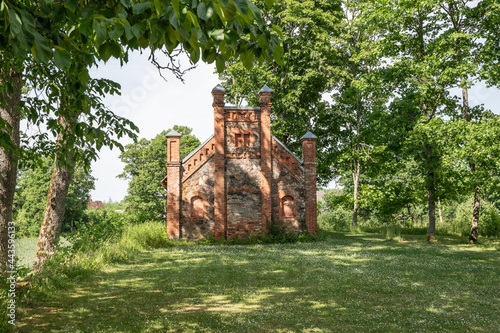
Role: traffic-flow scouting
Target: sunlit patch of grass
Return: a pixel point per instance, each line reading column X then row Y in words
column 350, row 282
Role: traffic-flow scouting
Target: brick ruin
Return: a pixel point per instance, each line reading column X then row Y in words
column 241, row 178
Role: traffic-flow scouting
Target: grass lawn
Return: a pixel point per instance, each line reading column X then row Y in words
column 349, row 283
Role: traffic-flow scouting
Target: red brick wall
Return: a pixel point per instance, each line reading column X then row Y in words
column 309, row 157
column 173, row 186
column 219, row 165
column 265, row 162
column 199, row 184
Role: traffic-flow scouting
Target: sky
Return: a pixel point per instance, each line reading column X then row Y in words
column 154, row 105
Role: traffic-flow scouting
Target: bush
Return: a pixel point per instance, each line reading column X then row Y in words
column 489, row 220
column 338, row 219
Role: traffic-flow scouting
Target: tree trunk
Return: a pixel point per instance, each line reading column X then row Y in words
column 440, row 212
column 474, row 230
column 9, row 112
column 56, row 200
column 432, row 211
column 355, row 177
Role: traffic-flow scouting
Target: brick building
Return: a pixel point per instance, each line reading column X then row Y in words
column 239, row 179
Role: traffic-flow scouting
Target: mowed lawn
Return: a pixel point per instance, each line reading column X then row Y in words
column 349, row 283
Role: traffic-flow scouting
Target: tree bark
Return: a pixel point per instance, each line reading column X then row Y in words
column 440, row 212
column 474, row 230
column 431, row 191
column 355, row 177
column 56, row 200
column 9, row 112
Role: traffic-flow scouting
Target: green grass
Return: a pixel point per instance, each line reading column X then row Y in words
column 348, row 283
column 25, row 251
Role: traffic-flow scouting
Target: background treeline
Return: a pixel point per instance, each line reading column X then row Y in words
column 385, row 86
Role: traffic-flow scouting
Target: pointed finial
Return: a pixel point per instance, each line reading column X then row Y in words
column 173, row 133
column 219, row 88
column 309, row 135
column 266, row 89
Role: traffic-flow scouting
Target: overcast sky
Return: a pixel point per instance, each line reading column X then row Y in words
column 155, row 105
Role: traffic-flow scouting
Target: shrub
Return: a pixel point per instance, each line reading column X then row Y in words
column 338, row 219
column 489, row 220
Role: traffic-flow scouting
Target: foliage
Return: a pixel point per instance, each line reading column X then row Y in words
column 489, row 217
column 145, row 168
column 337, row 219
column 307, row 73
column 31, row 197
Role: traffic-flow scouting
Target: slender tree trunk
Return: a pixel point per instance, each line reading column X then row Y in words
column 56, row 200
column 9, row 112
column 474, row 230
column 440, row 212
column 432, row 211
column 355, row 177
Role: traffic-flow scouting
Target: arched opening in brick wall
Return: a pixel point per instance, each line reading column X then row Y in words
column 287, row 210
column 197, row 208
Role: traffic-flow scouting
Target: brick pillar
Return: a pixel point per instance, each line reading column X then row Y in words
column 309, row 161
column 220, row 225
column 265, row 154
column 173, row 184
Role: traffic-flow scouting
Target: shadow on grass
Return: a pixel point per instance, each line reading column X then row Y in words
column 347, row 283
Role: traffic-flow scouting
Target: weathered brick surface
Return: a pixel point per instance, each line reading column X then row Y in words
column 198, row 159
column 219, row 166
column 173, row 186
column 241, row 179
column 265, row 161
column 199, row 185
column 309, row 157
column 284, row 183
column 243, row 197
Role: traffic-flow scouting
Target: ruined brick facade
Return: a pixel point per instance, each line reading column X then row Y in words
column 241, row 178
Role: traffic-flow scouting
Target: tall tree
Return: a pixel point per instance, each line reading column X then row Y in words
column 80, row 32
column 31, row 197
column 145, row 168
column 308, row 72
column 358, row 91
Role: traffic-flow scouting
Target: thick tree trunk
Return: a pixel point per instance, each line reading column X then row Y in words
column 474, row 230
column 9, row 112
column 355, row 177
column 56, row 201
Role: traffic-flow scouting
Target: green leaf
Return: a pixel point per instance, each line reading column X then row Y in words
column 15, row 22
column 242, row 6
column 28, row 21
column 269, row 3
column 126, row 3
column 99, row 31
column 217, row 35
column 71, row 5
column 141, row 7
column 278, row 54
column 201, row 11
column 62, row 59
column 193, row 19
column 139, row 29
column 220, row 64
column 43, row 50
column 128, row 31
